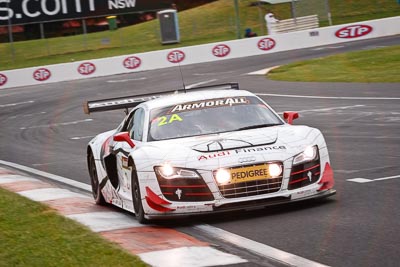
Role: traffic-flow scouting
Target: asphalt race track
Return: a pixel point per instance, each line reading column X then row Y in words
column 44, row 127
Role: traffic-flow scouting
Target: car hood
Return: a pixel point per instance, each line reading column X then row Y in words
column 234, row 140
column 276, row 143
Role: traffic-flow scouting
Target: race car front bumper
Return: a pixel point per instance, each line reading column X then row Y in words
column 245, row 205
column 255, row 204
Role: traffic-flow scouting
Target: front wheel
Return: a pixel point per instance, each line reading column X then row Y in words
column 94, row 180
column 137, row 198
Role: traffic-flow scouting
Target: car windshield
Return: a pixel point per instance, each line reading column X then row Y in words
column 210, row 117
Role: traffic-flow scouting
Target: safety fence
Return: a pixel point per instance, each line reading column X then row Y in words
column 203, row 53
column 219, row 22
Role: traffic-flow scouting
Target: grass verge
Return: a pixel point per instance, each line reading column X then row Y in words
column 32, row 234
column 370, row 66
column 213, row 22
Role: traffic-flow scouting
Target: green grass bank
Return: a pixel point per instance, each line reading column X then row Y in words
column 369, row 66
column 32, row 234
column 213, row 22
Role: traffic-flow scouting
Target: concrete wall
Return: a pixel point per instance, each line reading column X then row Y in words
column 201, row 53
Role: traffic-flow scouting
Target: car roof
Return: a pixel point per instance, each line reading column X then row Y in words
column 191, row 96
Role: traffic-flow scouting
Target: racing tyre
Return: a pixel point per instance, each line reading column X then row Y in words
column 97, row 195
column 137, row 198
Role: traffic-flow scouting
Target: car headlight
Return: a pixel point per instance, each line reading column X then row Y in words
column 309, row 154
column 222, row 176
column 275, row 170
column 167, row 171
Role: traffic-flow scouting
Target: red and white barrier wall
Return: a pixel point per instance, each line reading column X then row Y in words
column 201, row 53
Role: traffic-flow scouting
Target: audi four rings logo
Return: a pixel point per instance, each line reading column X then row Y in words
column 266, row 44
column 3, row 79
column 176, row 56
column 132, row 62
column 221, row 50
column 86, row 68
column 247, row 159
column 41, row 74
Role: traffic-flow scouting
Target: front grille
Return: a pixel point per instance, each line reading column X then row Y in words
column 253, row 203
column 185, row 189
column 304, row 174
column 251, row 188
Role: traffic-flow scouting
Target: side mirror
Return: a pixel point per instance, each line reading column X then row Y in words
column 124, row 137
column 289, row 116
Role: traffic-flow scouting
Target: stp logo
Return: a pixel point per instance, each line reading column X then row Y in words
column 176, row 56
column 3, row 79
column 41, row 74
column 221, row 50
column 266, row 44
column 132, row 62
column 353, row 31
column 86, row 68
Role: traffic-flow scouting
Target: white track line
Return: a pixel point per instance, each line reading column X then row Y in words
column 365, row 180
column 56, row 124
column 331, row 97
column 333, row 108
column 50, row 176
column 327, row 47
column 212, row 73
column 326, row 109
column 258, row 248
column 190, row 256
column 359, row 136
column 200, row 83
column 82, row 137
column 27, row 115
column 16, row 104
column 387, row 178
column 263, row 71
column 127, row 80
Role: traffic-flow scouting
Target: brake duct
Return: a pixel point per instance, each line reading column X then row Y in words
column 327, row 182
column 155, row 202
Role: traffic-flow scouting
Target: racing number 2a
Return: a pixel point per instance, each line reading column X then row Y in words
column 164, row 120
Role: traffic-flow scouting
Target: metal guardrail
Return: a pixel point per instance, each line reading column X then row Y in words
column 188, row 55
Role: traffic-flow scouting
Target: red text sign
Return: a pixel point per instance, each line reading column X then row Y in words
column 266, row 44
column 353, row 31
column 221, row 50
column 86, row 68
column 132, row 62
column 41, row 74
column 176, row 56
column 3, row 79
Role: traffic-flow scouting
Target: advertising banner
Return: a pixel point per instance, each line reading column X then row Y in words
column 16, row 12
column 331, row 36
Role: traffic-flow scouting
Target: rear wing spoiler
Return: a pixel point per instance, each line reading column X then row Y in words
column 132, row 101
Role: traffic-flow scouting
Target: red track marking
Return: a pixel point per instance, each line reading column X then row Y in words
column 68, row 206
column 145, row 239
column 3, row 171
column 26, row 185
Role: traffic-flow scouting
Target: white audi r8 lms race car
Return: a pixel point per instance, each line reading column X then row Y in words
column 204, row 150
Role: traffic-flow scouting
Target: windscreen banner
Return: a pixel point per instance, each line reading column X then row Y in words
column 15, row 12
